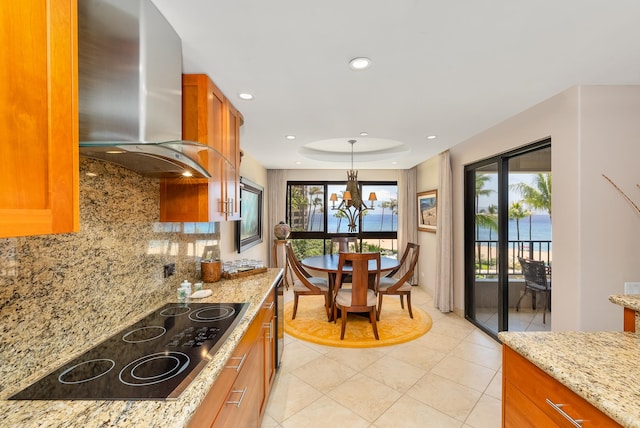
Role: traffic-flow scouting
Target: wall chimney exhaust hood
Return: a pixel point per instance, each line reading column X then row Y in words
column 130, row 90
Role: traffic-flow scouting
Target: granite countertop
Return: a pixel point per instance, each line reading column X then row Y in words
column 628, row 301
column 146, row 413
column 601, row 367
column 631, row 301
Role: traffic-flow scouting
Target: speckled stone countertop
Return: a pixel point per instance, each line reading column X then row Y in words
column 629, row 301
column 165, row 414
column 601, row 367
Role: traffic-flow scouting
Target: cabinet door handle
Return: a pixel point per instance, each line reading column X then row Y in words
column 558, row 408
column 238, row 391
column 270, row 306
column 269, row 325
column 239, row 366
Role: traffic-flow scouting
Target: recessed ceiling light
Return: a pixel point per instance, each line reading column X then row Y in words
column 394, row 163
column 298, row 163
column 364, row 134
column 245, row 96
column 290, row 137
column 431, row 137
column 360, row 63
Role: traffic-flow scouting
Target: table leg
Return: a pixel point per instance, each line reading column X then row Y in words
column 331, row 280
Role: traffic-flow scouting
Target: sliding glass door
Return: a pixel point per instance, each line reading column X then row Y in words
column 507, row 216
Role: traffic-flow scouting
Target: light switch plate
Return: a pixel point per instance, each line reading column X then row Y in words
column 632, row 288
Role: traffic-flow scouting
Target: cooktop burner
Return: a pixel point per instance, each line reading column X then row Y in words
column 153, row 359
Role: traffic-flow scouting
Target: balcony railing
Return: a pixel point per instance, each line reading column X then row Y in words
column 486, row 254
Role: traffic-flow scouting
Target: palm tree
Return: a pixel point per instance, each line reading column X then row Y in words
column 314, row 201
column 492, row 212
column 339, row 215
column 298, row 207
column 481, row 218
column 517, row 212
column 383, row 205
column 393, row 205
column 538, row 195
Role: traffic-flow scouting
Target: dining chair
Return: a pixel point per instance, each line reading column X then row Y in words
column 360, row 297
column 400, row 286
column 305, row 284
column 535, row 280
column 343, row 244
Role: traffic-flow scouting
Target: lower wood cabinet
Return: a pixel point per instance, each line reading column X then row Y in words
column 532, row 398
column 238, row 397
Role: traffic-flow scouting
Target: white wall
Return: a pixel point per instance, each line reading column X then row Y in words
column 594, row 130
column 427, row 179
column 609, row 227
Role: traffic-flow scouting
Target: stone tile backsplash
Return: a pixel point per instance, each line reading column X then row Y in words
column 69, row 290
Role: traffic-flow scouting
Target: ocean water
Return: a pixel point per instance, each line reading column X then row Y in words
column 373, row 222
column 540, row 229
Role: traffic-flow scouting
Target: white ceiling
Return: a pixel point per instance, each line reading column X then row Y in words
column 447, row 68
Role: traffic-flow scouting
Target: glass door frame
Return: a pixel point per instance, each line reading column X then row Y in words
column 470, row 170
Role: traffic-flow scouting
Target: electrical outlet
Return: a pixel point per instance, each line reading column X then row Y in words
column 169, row 269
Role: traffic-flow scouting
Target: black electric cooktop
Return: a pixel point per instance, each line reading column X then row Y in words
column 153, row 359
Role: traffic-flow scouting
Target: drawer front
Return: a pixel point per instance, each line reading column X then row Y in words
column 215, row 398
column 241, row 406
column 540, row 387
column 520, row 412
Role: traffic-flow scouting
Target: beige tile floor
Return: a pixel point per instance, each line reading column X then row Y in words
column 450, row 377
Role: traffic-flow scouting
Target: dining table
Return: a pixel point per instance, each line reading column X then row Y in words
column 329, row 263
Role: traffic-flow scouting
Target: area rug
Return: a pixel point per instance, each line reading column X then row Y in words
column 394, row 327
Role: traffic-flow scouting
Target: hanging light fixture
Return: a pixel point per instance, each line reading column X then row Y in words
column 352, row 204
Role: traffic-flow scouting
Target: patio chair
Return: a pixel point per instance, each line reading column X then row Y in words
column 535, row 280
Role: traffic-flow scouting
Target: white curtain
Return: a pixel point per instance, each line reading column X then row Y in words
column 277, row 191
column 407, row 212
column 443, row 295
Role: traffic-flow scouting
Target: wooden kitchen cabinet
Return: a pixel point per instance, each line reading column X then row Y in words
column 269, row 346
column 239, row 395
column 208, row 118
column 39, row 118
column 528, row 394
column 629, row 320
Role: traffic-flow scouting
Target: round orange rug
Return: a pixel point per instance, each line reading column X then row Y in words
column 394, row 327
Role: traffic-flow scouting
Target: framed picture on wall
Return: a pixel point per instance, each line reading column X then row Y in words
column 249, row 227
column 427, row 210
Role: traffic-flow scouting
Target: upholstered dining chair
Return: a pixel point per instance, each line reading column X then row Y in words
column 305, row 284
column 343, row 244
column 360, row 297
column 535, row 280
column 400, row 286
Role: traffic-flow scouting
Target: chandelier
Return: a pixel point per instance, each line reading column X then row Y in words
column 352, row 205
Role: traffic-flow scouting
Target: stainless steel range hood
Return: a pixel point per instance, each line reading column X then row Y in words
column 130, row 90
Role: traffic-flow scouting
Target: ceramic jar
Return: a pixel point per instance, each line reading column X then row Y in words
column 281, row 230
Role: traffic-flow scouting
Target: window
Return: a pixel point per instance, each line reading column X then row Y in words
column 313, row 221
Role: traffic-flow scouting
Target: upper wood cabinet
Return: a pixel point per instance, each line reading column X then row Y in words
column 38, row 118
column 208, row 118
